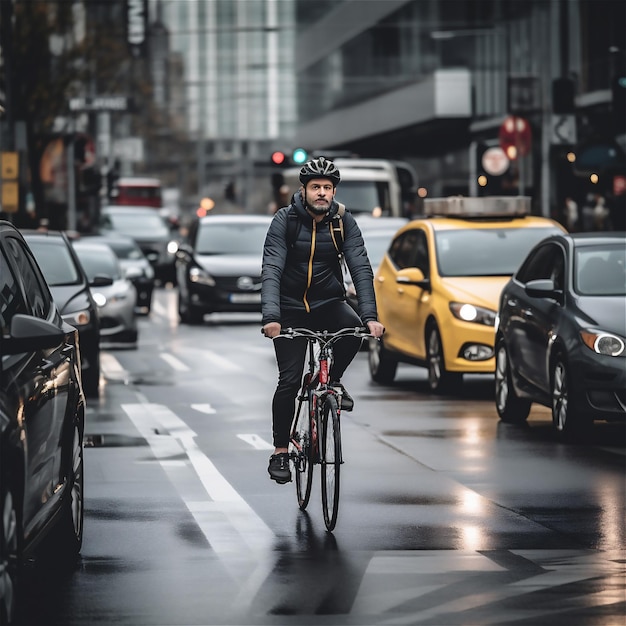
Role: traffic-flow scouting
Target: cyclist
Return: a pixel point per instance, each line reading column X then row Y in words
column 303, row 288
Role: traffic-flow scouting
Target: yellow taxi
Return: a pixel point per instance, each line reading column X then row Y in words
column 438, row 285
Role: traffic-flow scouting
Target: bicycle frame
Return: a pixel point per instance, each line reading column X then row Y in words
column 315, row 437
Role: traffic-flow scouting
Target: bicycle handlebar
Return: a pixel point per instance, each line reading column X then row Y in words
column 324, row 336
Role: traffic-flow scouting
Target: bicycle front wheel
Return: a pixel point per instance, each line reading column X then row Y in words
column 331, row 461
column 302, row 452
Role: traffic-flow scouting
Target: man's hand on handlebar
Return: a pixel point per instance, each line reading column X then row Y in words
column 376, row 329
column 271, row 330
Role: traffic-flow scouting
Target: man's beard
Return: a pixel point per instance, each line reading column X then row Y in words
column 317, row 210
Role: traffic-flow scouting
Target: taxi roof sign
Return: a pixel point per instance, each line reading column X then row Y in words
column 488, row 206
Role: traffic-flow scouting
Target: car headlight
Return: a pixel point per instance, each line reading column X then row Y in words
column 172, row 247
column 99, row 298
column 80, row 318
column 471, row 313
column 603, row 343
column 198, row 275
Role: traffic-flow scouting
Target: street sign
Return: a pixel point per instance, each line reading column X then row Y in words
column 495, row 161
column 10, row 196
column 515, row 137
column 100, row 103
column 10, row 165
column 563, row 130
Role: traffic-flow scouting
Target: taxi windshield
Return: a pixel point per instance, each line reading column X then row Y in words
column 486, row 251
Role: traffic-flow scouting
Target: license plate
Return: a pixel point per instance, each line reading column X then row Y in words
column 245, row 298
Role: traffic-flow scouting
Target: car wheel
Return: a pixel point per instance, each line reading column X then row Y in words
column 8, row 554
column 566, row 420
column 439, row 379
column 67, row 539
column 189, row 314
column 91, row 379
column 510, row 407
column 382, row 365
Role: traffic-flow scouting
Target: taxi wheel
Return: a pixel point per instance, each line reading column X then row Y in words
column 510, row 407
column 439, row 379
column 382, row 365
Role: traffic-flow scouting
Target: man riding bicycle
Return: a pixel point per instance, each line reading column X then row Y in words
column 303, row 287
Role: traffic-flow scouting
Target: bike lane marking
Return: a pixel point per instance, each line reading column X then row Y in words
column 168, row 436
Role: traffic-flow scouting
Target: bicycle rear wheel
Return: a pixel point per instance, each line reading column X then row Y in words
column 331, row 461
column 301, row 452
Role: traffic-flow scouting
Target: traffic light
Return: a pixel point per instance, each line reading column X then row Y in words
column 618, row 88
column 299, row 156
column 279, row 158
column 563, row 92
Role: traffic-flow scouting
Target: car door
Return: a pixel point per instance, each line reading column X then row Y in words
column 40, row 381
column 534, row 324
column 400, row 302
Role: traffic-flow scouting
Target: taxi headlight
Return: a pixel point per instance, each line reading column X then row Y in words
column 474, row 314
column 200, row 276
column 603, row 343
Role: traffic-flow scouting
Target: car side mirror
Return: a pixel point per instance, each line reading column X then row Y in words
column 101, row 280
column 31, row 333
column 542, row 288
column 413, row 276
column 184, row 251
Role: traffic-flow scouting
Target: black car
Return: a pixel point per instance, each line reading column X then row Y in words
column 69, row 285
column 561, row 333
column 135, row 265
column 152, row 232
column 219, row 268
column 42, row 417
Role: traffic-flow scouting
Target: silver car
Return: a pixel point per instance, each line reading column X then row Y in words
column 116, row 302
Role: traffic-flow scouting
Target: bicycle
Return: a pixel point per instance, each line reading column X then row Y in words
column 320, row 422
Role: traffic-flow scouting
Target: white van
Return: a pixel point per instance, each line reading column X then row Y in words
column 370, row 186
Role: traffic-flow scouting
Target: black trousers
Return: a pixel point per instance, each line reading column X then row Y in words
column 291, row 353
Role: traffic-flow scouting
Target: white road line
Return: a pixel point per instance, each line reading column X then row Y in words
column 256, row 442
column 154, row 421
column 204, row 408
column 110, row 365
column 220, row 361
column 175, row 363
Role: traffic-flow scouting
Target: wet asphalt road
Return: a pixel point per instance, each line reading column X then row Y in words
column 447, row 516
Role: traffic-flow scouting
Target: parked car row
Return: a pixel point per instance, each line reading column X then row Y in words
column 42, row 415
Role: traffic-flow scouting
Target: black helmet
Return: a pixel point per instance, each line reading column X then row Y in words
column 319, row 168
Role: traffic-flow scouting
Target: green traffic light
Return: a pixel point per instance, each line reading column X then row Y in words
column 299, row 155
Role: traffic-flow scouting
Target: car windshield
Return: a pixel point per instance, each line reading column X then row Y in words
column 99, row 261
column 136, row 224
column 56, row 262
column 600, row 271
column 233, row 238
column 126, row 250
column 486, row 251
column 362, row 196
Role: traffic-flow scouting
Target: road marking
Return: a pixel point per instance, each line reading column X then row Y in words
column 256, row 442
column 221, row 362
column 175, row 363
column 110, row 365
column 167, row 436
column 204, row 408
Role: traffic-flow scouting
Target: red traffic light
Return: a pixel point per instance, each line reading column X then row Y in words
column 278, row 158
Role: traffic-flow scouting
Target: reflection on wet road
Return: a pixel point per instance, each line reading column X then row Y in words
column 447, row 516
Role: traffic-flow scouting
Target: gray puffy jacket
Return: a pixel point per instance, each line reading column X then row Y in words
column 305, row 274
